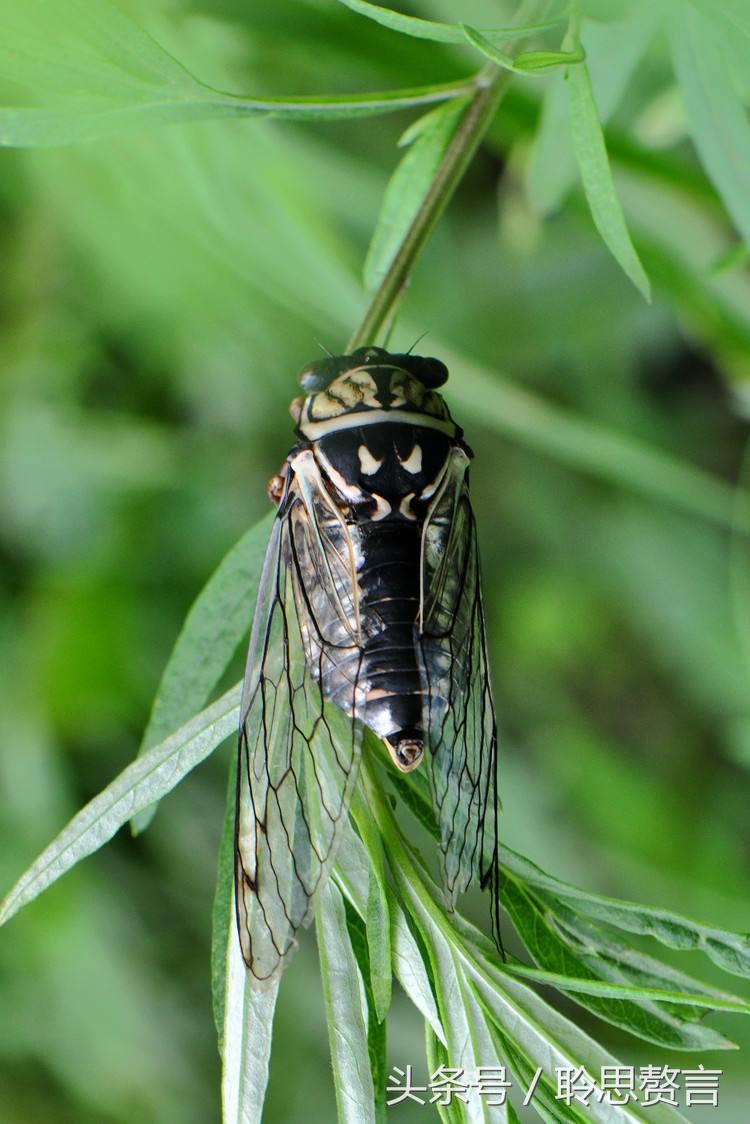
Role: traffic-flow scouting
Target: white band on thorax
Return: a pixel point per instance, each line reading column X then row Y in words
column 314, row 430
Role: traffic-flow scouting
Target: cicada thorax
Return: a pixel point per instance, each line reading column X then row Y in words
column 380, row 441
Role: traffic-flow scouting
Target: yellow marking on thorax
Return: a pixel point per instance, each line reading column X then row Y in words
column 413, row 462
column 367, row 462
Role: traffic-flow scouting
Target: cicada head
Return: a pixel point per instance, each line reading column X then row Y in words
column 341, row 389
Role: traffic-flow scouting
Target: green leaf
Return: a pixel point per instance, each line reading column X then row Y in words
column 428, row 139
column 26, row 128
column 613, row 51
column 344, row 999
column 79, row 48
column 379, row 938
column 545, row 1105
column 376, row 1027
column 377, row 915
column 527, row 62
column 147, row 779
column 513, row 1117
column 548, row 60
column 736, row 257
column 410, row 970
column 598, row 184
column 739, row 581
column 215, row 625
column 248, row 1030
column 730, row 951
column 485, row 1050
column 222, row 915
column 79, row 70
column 598, row 970
column 717, row 118
column 551, row 1041
column 437, row 1056
column 456, row 1012
column 459, row 951
column 435, row 31
column 635, row 993
column 352, row 874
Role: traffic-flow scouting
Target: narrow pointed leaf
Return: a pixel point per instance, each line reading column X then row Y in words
column 434, row 30
column 465, row 1041
column 629, row 992
column 410, row 970
column 525, row 63
column 352, row 875
column 550, row 1040
column 613, row 51
column 222, row 916
column 377, row 917
column 216, row 623
column 347, row 1026
column 437, row 1056
column 596, row 175
column 376, row 1027
column 485, row 1052
column 548, row 60
column 718, row 120
column 26, row 127
column 148, row 778
column 600, row 968
column 247, row 1034
column 730, row 951
column 546, row 1106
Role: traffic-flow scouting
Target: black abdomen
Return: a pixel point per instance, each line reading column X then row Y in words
column 389, row 605
column 384, row 477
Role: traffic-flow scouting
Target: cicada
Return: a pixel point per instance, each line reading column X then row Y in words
column 369, row 614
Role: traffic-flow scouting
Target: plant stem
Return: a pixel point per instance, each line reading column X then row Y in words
column 489, row 86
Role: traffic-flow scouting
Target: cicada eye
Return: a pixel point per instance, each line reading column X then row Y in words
column 431, row 373
column 315, row 376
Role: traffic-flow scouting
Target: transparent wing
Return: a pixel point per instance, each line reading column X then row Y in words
column 298, row 758
column 462, row 732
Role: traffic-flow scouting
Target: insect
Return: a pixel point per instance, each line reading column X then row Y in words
column 369, row 613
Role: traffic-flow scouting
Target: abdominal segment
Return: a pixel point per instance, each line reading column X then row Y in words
column 389, row 584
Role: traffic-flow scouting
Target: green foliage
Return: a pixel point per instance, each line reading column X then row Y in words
column 211, row 634
column 427, row 140
column 114, row 76
column 474, row 991
column 702, row 50
column 526, row 62
column 148, row 778
column 211, row 255
column 347, row 1019
column 591, row 153
column 436, row 31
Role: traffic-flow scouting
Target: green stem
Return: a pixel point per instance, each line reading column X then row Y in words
column 489, row 86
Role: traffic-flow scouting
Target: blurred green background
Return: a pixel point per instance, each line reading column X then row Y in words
column 158, row 292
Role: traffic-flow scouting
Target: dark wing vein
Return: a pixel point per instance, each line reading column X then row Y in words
column 298, row 758
column 462, row 733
